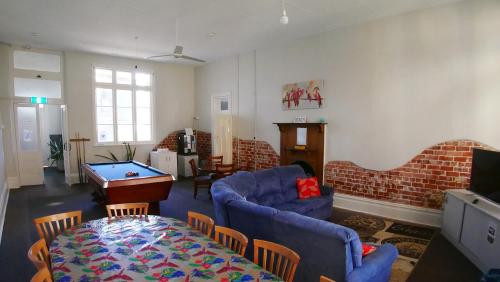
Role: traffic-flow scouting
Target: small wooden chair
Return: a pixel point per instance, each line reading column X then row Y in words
column 199, row 181
column 200, row 222
column 214, row 160
column 38, row 254
column 281, row 260
column 231, row 239
column 128, row 209
column 48, row 227
column 43, row 275
column 223, row 170
column 325, row 279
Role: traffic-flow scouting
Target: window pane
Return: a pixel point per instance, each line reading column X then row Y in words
column 104, row 115
column 123, row 77
column 142, row 99
column 125, row 133
column 26, row 87
column 142, row 79
column 143, row 116
column 102, row 75
column 28, row 128
column 124, row 98
column 143, row 132
column 104, row 97
column 27, row 60
column 124, row 115
column 105, row 133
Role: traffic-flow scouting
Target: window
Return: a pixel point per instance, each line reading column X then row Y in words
column 37, row 74
column 123, row 106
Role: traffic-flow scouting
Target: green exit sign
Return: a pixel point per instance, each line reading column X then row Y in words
column 38, row 100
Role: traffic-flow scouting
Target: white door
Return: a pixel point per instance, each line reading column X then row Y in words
column 29, row 151
column 66, row 144
column 223, row 137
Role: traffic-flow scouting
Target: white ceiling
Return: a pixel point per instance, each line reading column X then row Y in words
column 109, row 26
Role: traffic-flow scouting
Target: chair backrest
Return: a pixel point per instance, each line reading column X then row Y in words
column 200, row 222
column 275, row 258
column 231, row 239
column 194, row 169
column 38, row 254
column 223, row 170
column 214, row 160
column 128, row 209
column 48, row 227
column 325, row 279
column 43, row 275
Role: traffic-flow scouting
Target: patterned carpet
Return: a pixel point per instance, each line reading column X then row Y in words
column 410, row 239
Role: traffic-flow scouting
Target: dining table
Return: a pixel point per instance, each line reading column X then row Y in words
column 147, row 248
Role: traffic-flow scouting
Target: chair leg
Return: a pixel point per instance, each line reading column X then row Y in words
column 195, row 191
column 209, row 191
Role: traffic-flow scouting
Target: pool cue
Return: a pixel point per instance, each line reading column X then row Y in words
column 79, row 158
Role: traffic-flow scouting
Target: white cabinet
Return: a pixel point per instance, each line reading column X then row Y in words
column 183, row 164
column 165, row 161
column 471, row 223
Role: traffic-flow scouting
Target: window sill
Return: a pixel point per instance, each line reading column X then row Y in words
column 121, row 144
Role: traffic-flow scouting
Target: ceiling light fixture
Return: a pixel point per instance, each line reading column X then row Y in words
column 284, row 17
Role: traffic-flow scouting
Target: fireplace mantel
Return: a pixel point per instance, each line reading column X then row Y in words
column 313, row 154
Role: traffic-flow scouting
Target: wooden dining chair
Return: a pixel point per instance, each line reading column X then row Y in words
column 231, row 239
column 48, row 227
column 325, row 279
column 200, row 181
column 128, row 209
column 223, row 170
column 200, row 222
column 277, row 259
column 214, row 160
column 38, row 254
column 43, row 275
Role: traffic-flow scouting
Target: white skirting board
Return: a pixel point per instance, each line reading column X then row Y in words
column 385, row 209
column 4, row 198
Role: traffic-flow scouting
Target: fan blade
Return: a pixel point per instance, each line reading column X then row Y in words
column 159, row 56
column 192, row 59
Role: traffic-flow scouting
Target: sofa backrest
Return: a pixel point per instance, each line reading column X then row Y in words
column 267, row 187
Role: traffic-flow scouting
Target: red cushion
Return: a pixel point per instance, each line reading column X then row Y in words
column 368, row 249
column 308, row 187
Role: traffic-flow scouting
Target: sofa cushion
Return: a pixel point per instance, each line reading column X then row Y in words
column 288, row 175
column 244, row 183
column 268, row 188
column 304, row 206
column 308, row 187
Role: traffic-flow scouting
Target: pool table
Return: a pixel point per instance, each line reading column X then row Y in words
column 115, row 187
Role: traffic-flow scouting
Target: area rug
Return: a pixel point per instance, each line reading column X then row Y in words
column 410, row 239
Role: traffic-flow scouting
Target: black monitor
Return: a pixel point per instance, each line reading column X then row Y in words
column 485, row 174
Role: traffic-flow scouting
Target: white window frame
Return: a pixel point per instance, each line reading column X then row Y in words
column 133, row 88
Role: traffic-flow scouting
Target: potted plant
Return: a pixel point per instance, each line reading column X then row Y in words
column 56, row 154
column 129, row 154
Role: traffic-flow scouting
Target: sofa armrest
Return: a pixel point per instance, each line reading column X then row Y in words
column 376, row 267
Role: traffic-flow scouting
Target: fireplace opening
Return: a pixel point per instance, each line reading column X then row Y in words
column 306, row 167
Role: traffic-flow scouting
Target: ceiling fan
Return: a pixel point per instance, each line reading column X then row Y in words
column 178, row 49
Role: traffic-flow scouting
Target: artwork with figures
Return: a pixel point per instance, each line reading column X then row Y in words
column 303, row 95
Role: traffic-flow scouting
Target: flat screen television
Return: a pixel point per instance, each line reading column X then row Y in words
column 485, row 174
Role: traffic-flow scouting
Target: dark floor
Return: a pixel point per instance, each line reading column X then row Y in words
column 441, row 261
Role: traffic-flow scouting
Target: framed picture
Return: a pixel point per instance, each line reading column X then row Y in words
column 303, row 95
column 301, row 119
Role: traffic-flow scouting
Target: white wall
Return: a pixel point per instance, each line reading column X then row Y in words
column 393, row 86
column 174, row 99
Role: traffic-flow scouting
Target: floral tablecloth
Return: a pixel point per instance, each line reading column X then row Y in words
column 152, row 249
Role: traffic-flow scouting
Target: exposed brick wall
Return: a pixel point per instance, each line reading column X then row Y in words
column 204, row 145
column 250, row 154
column 420, row 182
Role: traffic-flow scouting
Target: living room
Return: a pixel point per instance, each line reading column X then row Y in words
column 394, row 110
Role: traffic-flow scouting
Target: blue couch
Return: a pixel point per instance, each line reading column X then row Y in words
column 264, row 205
